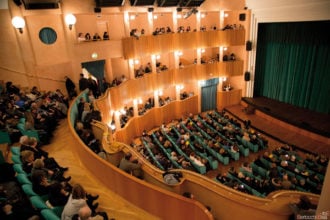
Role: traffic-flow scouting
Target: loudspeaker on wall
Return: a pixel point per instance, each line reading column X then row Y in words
column 242, row 17
column 18, row 2
column 97, row 10
column 248, row 45
column 247, row 76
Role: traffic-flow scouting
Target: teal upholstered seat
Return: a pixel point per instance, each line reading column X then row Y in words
column 23, row 179
column 4, row 138
column 18, row 168
column 49, row 214
column 27, row 189
column 38, row 203
column 15, row 150
column 16, row 159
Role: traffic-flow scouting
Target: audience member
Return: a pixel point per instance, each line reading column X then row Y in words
column 70, row 87
column 78, row 199
column 83, row 83
column 106, row 36
column 131, row 166
column 303, row 208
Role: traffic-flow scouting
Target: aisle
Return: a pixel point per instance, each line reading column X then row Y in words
column 114, row 205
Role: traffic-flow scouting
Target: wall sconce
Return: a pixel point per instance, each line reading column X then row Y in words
column 70, row 20
column 178, row 53
column 18, row 23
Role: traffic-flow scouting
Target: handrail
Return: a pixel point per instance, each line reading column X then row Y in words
column 178, row 206
column 165, row 43
column 207, row 191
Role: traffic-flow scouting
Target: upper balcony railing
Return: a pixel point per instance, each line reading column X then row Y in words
column 165, row 43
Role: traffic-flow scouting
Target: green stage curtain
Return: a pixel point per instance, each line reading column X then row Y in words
column 293, row 64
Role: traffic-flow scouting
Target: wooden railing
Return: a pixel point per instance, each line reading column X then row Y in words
column 165, row 43
column 134, row 88
column 152, row 194
column 139, row 192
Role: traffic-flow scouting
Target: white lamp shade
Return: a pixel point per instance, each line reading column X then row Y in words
column 70, row 19
column 18, row 22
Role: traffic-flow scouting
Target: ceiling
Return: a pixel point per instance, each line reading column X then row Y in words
column 158, row 3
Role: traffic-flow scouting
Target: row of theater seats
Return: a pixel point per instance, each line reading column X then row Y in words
column 38, row 202
column 210, row 155
column 206, row 127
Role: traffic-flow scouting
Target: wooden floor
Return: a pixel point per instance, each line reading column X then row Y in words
column 114, row 205
column 118, row 208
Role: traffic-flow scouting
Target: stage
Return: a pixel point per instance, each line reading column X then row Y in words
column 303, row 128
column 303, row 118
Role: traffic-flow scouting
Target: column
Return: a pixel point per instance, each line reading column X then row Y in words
column 177, row 92
column 177, row 55
column 198, row 20
column 175, row 21
column 153, row 63
column 156, row 98
column 324, row 201
column 126, row 23
column 199, row 55
column 131, row 68
column 222, row 19
column 220, row 53
column 117, row 120
column 150, row 22
column 136, row 107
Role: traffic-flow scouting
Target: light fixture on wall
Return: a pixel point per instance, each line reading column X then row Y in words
column 18, row 23
column 70, row 20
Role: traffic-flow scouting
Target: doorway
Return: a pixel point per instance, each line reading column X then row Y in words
column 209, row 94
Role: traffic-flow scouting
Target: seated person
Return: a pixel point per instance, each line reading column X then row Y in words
column 58, row 194
column 78, row 199
column 172, row 178
column 131, row 166
column 96, row 37
column 106, row 36
column 303, row 208
column 27, row 158
column 40, row 183
column 55, row 174
column 13, row 203
column 85, row 213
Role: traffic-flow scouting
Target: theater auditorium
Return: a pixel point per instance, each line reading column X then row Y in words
column 164, row 109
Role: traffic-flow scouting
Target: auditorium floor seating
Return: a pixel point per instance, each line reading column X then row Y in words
column 115, row 206
column 118, row 208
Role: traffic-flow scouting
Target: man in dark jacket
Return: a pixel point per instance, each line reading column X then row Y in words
column 70, row 87
column 83, row 82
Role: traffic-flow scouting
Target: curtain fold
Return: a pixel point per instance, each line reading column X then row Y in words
column 293, row 64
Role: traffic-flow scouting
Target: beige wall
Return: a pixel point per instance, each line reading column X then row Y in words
column 26, row 61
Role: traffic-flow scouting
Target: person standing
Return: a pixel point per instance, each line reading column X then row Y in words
column 83, row 83
column 70, row 87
